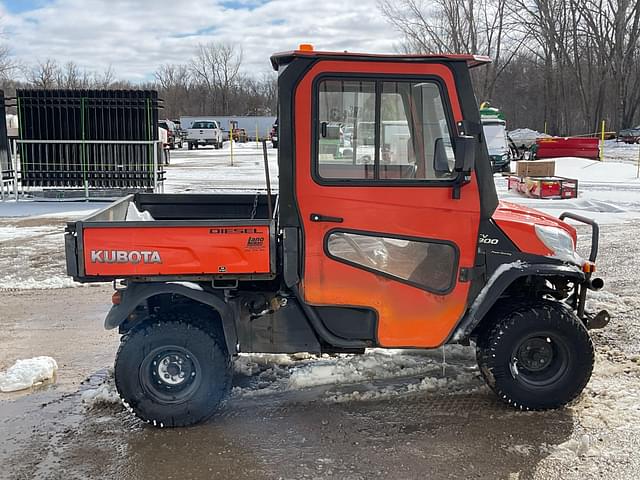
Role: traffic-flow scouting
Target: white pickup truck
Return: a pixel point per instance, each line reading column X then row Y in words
column 204, row 133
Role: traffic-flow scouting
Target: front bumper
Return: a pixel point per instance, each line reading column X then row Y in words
column 499, row 162
column 579, row 299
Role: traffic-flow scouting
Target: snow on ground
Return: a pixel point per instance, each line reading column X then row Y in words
column 32, row 241
column 26, row 373
column 621, row 152
column 608, row 192
column 208, row 170
column 48, row 208
column 377, row 374
column 32, row 254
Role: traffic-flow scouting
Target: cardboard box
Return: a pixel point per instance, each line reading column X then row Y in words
column 536, row 168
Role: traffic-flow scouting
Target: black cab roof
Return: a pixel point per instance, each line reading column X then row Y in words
column 283, row 58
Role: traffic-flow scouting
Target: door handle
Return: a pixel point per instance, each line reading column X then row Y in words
column 316, row 217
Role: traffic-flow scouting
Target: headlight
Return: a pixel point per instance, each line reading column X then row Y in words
column 559, row 242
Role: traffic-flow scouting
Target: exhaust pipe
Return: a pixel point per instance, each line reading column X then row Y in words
column 595, row 284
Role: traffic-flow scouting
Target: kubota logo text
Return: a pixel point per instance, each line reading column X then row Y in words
column 123, row 256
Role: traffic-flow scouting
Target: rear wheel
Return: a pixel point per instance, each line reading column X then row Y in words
column 537, row 356
column 172, row 373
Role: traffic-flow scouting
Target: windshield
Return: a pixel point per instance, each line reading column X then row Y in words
column 496, row 136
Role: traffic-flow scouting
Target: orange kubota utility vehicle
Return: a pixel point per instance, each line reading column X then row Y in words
column 386, row 232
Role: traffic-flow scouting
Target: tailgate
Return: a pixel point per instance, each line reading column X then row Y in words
column 106, row 250
column 196, row 134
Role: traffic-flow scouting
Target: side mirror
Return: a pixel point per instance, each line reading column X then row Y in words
column 465, row 153
column 440, row 159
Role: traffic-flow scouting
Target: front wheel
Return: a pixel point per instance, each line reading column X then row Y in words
column 172, row 373
column 536, row 357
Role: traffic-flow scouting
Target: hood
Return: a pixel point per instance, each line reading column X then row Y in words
column 518, row 223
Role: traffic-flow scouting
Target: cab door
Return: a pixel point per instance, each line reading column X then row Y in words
column 374, row 179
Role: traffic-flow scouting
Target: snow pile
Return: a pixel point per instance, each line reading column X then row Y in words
column 27, row 373
column 100, row 391
column 595, row 171
column 250, row 364
column 135, row 215
column 525, row 136
column 105, row 395
column 374, row 364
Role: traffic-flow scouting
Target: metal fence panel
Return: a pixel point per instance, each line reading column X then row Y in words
column 88, row 120
column 6, row 168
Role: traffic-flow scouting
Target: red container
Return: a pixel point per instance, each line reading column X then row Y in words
column 554, row 147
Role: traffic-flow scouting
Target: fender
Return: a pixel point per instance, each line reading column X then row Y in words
column 499, row 281
column 137, row 293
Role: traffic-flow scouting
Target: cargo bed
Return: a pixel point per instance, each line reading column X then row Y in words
column 160, row 236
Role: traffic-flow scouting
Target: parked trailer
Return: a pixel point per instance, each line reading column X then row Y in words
column 248, row 123
column 544, row 187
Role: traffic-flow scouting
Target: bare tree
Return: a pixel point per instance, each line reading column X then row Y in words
column 106, row 79
column 229, row 60
column 7, row 64
column 174, row 81
column 44, row 74
column 216, row 66
column 457, row 26
column 70, row 75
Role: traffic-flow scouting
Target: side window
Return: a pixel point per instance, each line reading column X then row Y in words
column 409, row 139
column 346, row 129
column 427, row 265
column 415, row 138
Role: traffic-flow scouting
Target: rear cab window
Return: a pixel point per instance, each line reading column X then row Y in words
column 382, row 131
column 205, row 125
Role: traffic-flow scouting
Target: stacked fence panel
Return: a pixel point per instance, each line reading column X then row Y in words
column 6, row 168
column 73, row 129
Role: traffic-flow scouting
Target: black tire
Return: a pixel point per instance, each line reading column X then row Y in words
column 194, row 362
column 190, row 146
column 537, row 356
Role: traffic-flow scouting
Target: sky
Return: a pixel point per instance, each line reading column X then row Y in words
column 135, row 36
